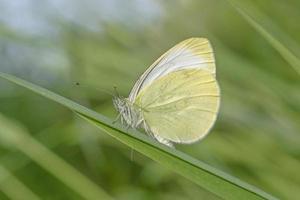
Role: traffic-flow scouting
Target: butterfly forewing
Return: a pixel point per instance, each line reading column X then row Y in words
column 188, row 54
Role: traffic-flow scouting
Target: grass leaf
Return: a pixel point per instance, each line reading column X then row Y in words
column 9, row 183
column 284, row 51
column 204, row 175
column 15, row 136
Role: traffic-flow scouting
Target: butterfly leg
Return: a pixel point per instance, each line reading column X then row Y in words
column 128, row 127
column 117, row 118
column 138, row 124
column 147, row 129
column 164, row 141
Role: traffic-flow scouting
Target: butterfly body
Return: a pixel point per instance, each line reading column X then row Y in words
column 130, row 114
column 176, row 100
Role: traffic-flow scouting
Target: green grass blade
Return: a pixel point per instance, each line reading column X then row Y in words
column 13, row 188
column 211, row 179
column 285, row 52
column 216, row 181
column 15, row 137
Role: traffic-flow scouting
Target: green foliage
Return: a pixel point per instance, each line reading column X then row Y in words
column 256, row 136
column 279, row 46
column 9, row 183
column 15, row 136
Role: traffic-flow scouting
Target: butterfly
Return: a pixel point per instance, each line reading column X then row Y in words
column 176, row 100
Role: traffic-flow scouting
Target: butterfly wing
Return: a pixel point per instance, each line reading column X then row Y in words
column 181, row 106
column 188, row 54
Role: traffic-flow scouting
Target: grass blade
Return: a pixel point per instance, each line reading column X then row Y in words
column 14, row 136
column 13, row 187
column 289, row 56
column 206, row 176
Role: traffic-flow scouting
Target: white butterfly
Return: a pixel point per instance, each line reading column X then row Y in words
column 176, row 100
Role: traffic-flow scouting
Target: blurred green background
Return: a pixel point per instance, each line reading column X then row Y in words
column 102, row 44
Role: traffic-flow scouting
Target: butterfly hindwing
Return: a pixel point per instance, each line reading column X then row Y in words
column 181, row 106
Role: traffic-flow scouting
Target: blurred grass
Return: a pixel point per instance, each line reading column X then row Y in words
column 14, row 136
column 9, row 183
column 289, row 56
column 256, row 137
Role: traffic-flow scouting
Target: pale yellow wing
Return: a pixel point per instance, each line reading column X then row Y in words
column 181, row 106
column 192, row 53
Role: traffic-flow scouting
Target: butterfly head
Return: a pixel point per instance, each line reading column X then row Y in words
column 120, row 103
column 130, row 115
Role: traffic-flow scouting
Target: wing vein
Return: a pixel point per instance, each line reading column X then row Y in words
column 181, row 99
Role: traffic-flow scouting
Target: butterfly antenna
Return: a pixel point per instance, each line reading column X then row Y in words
column 98, row 90
column 116, row 92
